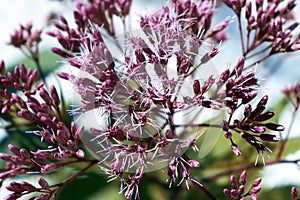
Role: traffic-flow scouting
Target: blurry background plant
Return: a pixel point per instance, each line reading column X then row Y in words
column 47, row 153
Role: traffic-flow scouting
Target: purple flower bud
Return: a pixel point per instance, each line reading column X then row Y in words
column 27, row 186
column 62, row 136
column 258, row 129
column 233, row 182
column 6, row 157
column 294, row 192
column 255, row 113
column 196, row 87
column 48, row 168
column 5, row 109
column 248, row 9
column 241, row 189
column 194, row 163
column 24, row 154
column 266, row 116
column 213, row 52
column 274, row 127
column 12, row 173
column 44, row 196
column 45, row 96
column 236, row 150
column 256, row 182
column 225, row 75
column 227, row 134
column 243, row 177
column 43, row 155
column 19, row 100
column 2, row 67
column 14, row 149
column 263, row 101
column 229, row 84
column 78, row 132
column 172, row 172
column 228, row 3
column 225, row 125
column 253, row 197
column 80, row 153
column 240, row 66
column 61, row 53
column 43, row 183
column 269, row 137
column 227, row 193
column 255, row 189
column 15, row 187
column 233, row 192
column 247, row 110
column 54, row 96
column 13, row 196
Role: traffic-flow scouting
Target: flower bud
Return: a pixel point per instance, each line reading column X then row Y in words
column 194, row 163
column 264, row 117
column 48, row 168
column 240, row 66
column 233, row 192
column 43, row 183
column 196, row 87
column 80, row 153
column 256, row 182
column 241, row 189
column 227, row 193
column 236, row 150
column 255, row 189
column 27, row 186
column 233, row 182
column 243, row 177
column 14, row 149
column 274, row 127
column 294, row 192
column 269, row 137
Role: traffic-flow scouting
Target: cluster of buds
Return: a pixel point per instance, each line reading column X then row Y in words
column 32, row 102
column 21, row 79
column 25, row 37
column 107, row 8
column 22, row 188
column 237, row 191
column 267, row 21
column 292, row 93
column 240, row 91
column 197, row 18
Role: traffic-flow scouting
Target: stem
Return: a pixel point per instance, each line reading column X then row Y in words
column 259, row 61
column 283, row 145
column 241, row 35
column 259, row 52
column 207, row 192
column 198, row 125
column 71, row 178
column 36, row 60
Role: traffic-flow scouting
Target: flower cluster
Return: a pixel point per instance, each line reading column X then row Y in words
column 237, row 191
column 25, row 37
column 46, row 114
column 151, row 97
column 267, row 21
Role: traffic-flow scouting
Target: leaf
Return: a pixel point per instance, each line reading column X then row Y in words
column 91, row 186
